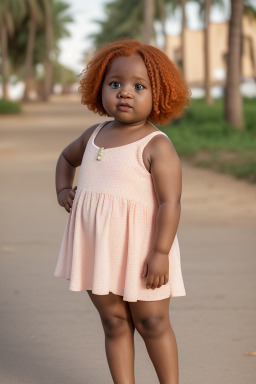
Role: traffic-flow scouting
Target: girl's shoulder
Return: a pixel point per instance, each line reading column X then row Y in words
column 160, row 141
column 87, row 134
column 74, row 152
column 89, row 131
column 161, row 147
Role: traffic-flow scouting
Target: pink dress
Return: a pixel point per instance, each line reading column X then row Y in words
column 111, row 227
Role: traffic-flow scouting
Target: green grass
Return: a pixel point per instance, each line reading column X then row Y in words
column 203, row 137
column 9, row 107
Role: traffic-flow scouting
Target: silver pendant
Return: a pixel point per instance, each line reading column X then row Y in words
column 100, row 153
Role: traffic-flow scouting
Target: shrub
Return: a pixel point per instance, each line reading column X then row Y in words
column 9, row 107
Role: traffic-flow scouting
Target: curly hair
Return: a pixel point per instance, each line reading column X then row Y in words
column 170, row 92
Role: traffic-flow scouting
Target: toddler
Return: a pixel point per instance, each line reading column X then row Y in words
column 120, row 242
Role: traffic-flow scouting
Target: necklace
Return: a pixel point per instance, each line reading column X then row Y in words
column 100, row 153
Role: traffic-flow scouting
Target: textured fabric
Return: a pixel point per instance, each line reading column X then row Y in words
column 111, row 227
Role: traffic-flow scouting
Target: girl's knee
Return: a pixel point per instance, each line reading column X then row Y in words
column 115, row 326
column 152, row 326
column 114, row 313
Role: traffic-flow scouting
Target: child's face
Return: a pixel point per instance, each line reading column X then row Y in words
column 126, row 90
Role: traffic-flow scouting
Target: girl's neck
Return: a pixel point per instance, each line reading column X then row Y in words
column 118, row 125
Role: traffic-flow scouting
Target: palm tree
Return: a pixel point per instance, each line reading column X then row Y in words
column 35, row 16
column 4, row 55
column 183, row 31
column 60, row 18
column 233, row 98
column 148, row 21
column 55, row 19
column 205, row 8
column 160, row 9
column 124, row 20
column 250, row 12
column 24, row 53
column 172, row 6
column 48, row 10
column 10, row 12
column 207, row 60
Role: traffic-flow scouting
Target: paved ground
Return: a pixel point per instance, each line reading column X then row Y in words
column 49, row 334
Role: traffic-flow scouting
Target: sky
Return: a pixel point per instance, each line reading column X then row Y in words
column 84, row 12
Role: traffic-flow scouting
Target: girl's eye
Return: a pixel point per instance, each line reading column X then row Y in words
column 114, row 84
column 138, row 87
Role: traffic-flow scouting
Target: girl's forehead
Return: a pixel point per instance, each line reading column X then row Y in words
column 127, row 64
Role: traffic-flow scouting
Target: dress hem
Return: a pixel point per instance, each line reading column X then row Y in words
column 119, row 294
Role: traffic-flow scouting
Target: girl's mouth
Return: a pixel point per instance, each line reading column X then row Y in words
column 124, row 107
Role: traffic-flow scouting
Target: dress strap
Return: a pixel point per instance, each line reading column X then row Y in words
column 95, row 132
column 145, row 141
column 148, row 138
column 97, row 129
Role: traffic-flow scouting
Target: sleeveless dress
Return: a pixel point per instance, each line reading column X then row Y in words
column 110, row 229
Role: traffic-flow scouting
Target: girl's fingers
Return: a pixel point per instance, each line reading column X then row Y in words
column 155, row 282
column 67, row 207
column 72, row 194
column 70, row 201
column 161, row 281
column 150, row 280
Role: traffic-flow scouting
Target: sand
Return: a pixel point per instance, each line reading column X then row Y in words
column 49, row 334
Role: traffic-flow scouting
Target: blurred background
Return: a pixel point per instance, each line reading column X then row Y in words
column 45, row 45
column 51, row 335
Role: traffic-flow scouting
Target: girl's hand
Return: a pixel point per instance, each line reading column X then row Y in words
column 65, row 198
column 156, row 270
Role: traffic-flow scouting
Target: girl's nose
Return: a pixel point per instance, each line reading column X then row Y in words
column 124, row 93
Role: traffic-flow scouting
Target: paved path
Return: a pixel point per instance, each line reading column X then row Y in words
column 50, row 335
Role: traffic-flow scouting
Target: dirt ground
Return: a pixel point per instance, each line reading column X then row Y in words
column 51, row 335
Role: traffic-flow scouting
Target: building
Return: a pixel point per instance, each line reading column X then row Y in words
column 194, row 51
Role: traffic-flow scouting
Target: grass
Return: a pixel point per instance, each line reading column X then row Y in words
column 9, row 107
column 207, row 140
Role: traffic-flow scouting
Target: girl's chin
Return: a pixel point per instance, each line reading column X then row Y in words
column 127, row 118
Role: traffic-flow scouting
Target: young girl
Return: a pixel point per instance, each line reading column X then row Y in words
column 120, row 243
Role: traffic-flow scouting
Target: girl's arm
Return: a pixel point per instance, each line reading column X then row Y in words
column 167, row 180
column 69, row 159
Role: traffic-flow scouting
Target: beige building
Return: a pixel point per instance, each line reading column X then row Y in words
column 194, row 48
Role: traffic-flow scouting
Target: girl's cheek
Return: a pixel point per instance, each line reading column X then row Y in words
column 103, row 98
column 105, row 94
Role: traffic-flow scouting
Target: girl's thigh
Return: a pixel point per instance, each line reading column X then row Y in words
column 111, row 306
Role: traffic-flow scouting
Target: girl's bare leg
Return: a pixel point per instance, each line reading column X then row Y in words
column 119, row 336
column 151, row 319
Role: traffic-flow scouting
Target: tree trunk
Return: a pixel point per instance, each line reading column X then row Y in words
column 29, row 70
column 5, row 60
column 48, row 46
column 163, row 21
column 249, row 40
column 207, row 59
column 148, row 21
column 183, row 39
column 233, row 98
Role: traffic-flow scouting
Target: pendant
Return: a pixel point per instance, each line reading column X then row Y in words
column 100, row 153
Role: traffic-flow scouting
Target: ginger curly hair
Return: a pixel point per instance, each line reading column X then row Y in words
column 170, row 92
